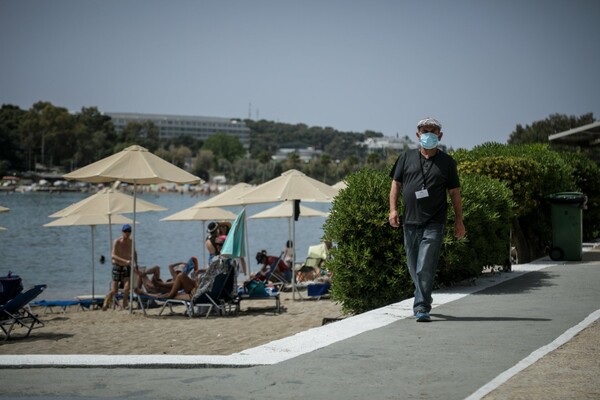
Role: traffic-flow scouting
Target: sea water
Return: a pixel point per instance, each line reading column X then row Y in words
column 61, row 257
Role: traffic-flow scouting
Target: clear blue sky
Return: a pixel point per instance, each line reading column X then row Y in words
column 481, row 67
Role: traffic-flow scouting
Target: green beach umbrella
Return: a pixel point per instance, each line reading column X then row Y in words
column 234, row 245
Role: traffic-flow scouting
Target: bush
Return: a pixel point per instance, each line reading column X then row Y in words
column 487, row 213
column 532, row 172
column 369, row 262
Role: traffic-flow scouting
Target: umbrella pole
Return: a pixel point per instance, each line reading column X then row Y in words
column 132, row 262
column 93, row 267
column 110, row 241
column 203, row 245
column 294, row 260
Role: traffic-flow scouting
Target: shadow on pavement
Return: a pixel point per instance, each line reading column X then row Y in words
column 528, row 282
column 443, row 317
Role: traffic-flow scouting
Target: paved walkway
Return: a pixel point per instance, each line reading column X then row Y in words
column 480, row 336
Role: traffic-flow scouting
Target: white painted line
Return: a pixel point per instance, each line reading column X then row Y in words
column 278, row 350
column 533, row 357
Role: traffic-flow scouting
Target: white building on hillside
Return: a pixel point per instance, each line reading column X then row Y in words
column 172, row 126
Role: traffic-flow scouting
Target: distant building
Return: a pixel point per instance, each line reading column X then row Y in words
column 172, row 126
column 305, row 155
column 388, row 143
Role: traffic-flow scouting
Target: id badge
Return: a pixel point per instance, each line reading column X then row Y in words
column 421, row 194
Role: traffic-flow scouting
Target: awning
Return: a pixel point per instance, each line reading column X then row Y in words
column 587, row 135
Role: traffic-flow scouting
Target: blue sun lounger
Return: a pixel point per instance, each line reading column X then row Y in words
column 16, row 312
column 63, row 305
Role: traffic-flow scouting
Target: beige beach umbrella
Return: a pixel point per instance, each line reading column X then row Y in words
column 230, row 197
column 92, row 220
column 109, row 202
column 202, row 214
column 135, row 165
column 291, row 185
column 295, row 186
column 286, row 210
column 340, row 185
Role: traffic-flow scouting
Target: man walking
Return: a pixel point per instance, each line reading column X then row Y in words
column 424, row 175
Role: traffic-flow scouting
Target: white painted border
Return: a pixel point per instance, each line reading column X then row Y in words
column 533, row 357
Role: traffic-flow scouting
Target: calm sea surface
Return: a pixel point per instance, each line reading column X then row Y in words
column 61, row 257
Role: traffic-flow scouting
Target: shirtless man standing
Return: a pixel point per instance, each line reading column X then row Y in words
column 121, row 271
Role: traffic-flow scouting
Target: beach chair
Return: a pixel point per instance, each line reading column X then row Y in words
column 270, row 294
column 214, row 293
column 277, row 277
column 311, row 274
column 16, row 312
column 49, row 305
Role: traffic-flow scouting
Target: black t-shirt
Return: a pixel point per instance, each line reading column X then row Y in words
column 437, row 174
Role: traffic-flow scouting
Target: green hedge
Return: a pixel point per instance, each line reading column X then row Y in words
column 368, row 259
column 532, row 172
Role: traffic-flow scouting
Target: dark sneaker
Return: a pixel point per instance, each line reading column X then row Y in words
column 423, row 317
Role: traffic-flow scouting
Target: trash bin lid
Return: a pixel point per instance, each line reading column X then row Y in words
column 567, row 198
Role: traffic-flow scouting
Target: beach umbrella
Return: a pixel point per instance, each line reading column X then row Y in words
column 291, row 185
column 92, row 220
column 107, row 202
column 286, row 210
column 201, row 214
column 340, row 185
column 138, row 166
column 3, row 209
column 230, row 197
column 235, row 244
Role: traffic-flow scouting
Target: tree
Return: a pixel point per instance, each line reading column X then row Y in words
column 293, row 161
column 204, row 164
column 264, row 158
column 325, row 160
column 539, row 131
column 11, row 154
column 225, row 147
column 95, row 136
column 145, row 134
column 47, row 131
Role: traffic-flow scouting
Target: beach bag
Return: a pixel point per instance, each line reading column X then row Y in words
column 256, row 288
column 10, row 286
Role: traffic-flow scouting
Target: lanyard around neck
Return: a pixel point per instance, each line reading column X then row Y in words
column 423, row 170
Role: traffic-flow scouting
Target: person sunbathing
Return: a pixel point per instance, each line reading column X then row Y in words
column 155, row 285
column 185, row 287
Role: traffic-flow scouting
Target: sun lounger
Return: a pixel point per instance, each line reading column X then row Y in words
column 16, row 312
column 218, row 298
column 271, row 292
column 318, row 289
column 49, row 305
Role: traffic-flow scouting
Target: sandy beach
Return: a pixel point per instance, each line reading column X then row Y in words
column 119, row 332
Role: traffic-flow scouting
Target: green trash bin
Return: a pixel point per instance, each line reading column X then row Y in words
column 567, row 227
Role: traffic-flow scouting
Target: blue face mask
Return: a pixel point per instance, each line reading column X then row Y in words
column 429, row 140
